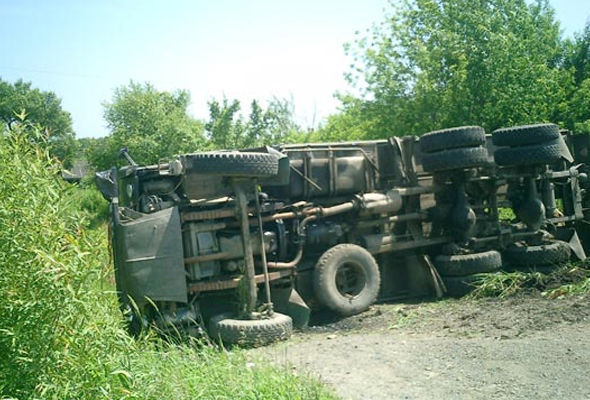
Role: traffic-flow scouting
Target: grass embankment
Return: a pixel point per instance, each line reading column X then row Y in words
column 61, row 332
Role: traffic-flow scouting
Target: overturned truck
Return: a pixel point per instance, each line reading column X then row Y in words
column 240, row 245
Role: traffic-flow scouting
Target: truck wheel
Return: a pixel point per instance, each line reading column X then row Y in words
column 525, row 135
column 346, row 279
column 233, row 163
column 468, row 264
column 463, row 136
column 250, row 332
column 545, row 153
column 445, row 160
column 552, row 253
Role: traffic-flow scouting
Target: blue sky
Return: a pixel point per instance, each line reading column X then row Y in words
column 82, row 50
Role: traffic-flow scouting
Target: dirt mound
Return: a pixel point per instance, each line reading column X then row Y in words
column 488, row 317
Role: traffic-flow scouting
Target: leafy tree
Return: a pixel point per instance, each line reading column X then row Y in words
column 440, row 63
column 576, row 115
column 152, row 124
column 227, row 129
column 21, row 104
column 274, row 125
column 578, row 57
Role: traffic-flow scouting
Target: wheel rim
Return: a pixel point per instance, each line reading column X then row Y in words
column 350, row 279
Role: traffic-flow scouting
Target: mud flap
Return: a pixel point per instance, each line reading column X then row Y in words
column 570, row 236
column 298, row 310
column 149, row 261
column 286, row 300
column 437, row 282
column 565, row 151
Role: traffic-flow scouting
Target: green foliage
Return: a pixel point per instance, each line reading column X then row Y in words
column 357, row 121
column 224, row 128
column 61, row 331
column 579, row 108
column 227, row 129
column 89, row 200
column 434, row 64
column 506, row 283
column 578, row 55
column 21, row 104
column 152, row 124
column 575, row 114
column 568, row 279
column 506, row 214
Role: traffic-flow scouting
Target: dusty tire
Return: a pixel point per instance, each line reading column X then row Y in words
column 233, row 163
column 463, row 136
column 468, row 264
column 458, row 286
column 445, row 160
column 553, row 253
column 546, row 153
column 525, row 135
column 346, row 279
column 250, row 333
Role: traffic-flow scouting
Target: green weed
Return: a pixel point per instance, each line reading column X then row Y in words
column 505, row 283
column 568, row 279
column 506, row 214
column 61, row 332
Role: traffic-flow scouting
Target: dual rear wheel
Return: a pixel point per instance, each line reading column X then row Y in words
column 454, row 148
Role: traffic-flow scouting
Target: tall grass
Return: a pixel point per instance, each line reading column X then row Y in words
column 61, row 333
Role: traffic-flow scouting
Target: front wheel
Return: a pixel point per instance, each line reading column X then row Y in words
column 346, row 279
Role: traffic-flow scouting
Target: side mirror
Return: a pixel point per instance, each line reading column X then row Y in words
column 124, row 152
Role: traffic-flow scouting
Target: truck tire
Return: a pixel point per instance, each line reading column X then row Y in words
column 468, row 264
column 545, row 153
column 552, row 253
column 346, row 279
column 445, row 160
column 463, row 136
column 250, row 332
column 233, row 163
column 525, row 135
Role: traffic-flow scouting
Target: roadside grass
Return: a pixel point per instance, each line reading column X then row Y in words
column 61, row 332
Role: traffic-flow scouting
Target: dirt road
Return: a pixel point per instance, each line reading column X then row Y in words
column 526, row 347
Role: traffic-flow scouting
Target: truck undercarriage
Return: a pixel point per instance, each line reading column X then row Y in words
column 242, row 245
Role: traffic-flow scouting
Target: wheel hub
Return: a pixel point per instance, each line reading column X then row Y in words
column 350, row 279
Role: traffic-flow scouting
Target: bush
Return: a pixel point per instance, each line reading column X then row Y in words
column 61, row 332
column 88, row 199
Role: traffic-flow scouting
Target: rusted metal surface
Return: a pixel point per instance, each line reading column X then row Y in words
column 412, row 244
column 242, row 211
column 225, row 284
column 206, row 257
